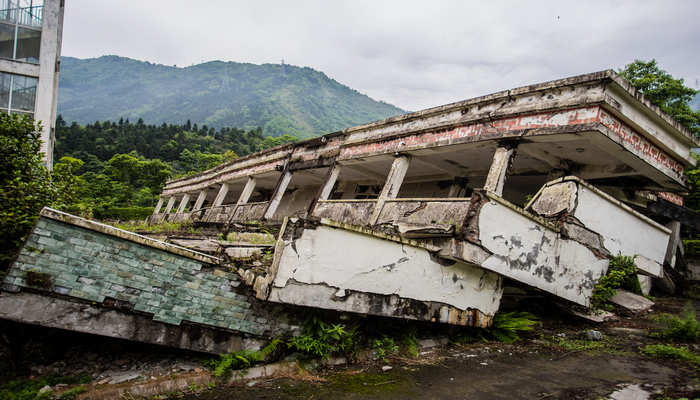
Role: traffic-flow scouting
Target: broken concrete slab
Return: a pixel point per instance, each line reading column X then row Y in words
column 645, row 283
column 376, row 275
column 631, row 301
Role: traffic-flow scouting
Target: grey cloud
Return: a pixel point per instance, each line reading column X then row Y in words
column 409, row 53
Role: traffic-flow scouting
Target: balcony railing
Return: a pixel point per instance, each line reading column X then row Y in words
column 22, row 12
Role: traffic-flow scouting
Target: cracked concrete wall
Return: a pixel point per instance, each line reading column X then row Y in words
column 527, row 251
column 595, row 217
column 342, row 270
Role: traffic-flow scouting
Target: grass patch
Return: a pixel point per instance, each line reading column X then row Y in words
column 670, row 352
column 28, row 389
column 71, row 394
column 184, row 226
column 683, row 328
column 587, row 346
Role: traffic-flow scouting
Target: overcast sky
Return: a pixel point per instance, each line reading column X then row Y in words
column 413, row 54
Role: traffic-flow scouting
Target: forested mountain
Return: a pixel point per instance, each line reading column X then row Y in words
column 279, row 98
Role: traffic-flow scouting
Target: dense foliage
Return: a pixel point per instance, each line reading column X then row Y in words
column 279, row 98
column 25, row 183
column 662, row 89
column 116, row 170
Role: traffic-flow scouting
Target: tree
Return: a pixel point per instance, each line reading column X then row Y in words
column 665, row 91
column 25, row 184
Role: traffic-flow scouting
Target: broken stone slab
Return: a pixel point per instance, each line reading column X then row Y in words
column 430, row 343
column 597, row 316
column 644, row 283
column 631, row 301
column 244, row 252
column 203, row 245
column 121, row 377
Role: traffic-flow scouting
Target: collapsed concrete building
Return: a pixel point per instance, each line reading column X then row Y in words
column 423, row 216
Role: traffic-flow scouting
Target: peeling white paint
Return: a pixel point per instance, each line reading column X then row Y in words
column 623, row 232
column 528, row 252
column 344, row 260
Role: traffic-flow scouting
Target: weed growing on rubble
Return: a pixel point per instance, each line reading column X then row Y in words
column 242, row 359
column 322, row 339
column 622, row 274
column 384, row 347
column 506, row 328
column 670, row 352
column 683, row 328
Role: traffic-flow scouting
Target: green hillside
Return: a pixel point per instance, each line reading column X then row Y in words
column 281, row 99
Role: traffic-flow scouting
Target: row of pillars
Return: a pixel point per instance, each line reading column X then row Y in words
column 494, row 183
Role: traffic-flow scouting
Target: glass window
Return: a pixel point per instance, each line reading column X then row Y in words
column 23, row 93
column 28, row 45
column 7, row 43
column 5, row 90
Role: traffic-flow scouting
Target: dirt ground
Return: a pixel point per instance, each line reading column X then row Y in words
column 554, row 361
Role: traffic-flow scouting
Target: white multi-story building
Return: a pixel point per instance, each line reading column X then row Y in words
column 30, row 49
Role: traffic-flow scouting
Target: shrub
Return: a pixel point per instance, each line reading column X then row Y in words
column 683, row 328
column 622, row 274
column 322, row 339
column 384, row 347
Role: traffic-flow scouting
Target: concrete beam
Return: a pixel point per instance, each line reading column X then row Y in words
column 278, row 194
column 183, row 203
column 200, row 200
column 392, row 185
column 496, row 178
column 171, row 203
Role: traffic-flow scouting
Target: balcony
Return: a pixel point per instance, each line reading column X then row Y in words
column 22, row 12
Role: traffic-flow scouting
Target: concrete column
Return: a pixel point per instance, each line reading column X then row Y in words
column 330, row 182
column 673, row 243
column 183, row 203
column 47, row 87
column 247, row 191
column 458, row 188
column 223, row 191
column 171, row 203
column 277, row 195
column 392, row 185
column 200, row 200
column 499, row 168
column 158, row 206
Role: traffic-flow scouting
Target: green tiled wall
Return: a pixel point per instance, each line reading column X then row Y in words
column 92, row 266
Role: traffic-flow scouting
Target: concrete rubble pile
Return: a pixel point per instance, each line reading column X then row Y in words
column 424, row 216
